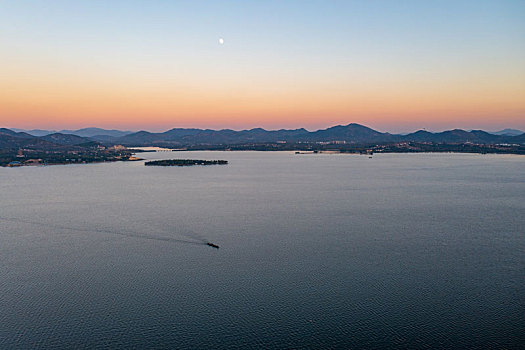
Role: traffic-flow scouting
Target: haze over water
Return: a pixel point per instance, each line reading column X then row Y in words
column 316, row 251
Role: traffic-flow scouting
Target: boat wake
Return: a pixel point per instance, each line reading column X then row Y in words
column 110, row 232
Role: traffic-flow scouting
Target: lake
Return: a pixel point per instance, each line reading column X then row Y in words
column 316, row 251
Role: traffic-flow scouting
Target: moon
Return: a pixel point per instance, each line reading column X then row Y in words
column 221, row 41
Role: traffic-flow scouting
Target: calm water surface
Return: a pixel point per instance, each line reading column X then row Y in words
column 317, row 251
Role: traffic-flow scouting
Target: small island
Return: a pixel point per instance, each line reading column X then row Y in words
column 185, row 162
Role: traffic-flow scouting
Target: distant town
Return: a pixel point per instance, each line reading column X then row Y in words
column 37, row 147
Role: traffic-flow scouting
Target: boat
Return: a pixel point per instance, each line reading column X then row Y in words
column 212, row 245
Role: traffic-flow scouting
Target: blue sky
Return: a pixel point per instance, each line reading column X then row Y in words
column 276, row 53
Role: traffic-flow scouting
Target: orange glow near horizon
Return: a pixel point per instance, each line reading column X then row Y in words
column 85, row 101
column 74, row 65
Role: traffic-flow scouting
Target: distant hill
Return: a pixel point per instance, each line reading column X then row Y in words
column 35, row 132
column 508, row 132
column 91, row 132
column 351, row 133
column 66, row 139
column 455, row 136
column 86, row 132
column 14, row 133
column 10, row 139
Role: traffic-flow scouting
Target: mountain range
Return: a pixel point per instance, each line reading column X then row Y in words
column 10, row 139
column 351, row 133
column 507, row 132
column 105, row 133
column 85, row 132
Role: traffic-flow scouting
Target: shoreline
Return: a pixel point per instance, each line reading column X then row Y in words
column 300, row 153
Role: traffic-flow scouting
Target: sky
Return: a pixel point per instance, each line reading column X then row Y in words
column 157, row 64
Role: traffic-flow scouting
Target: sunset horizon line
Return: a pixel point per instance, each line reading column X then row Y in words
column 153, row 129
